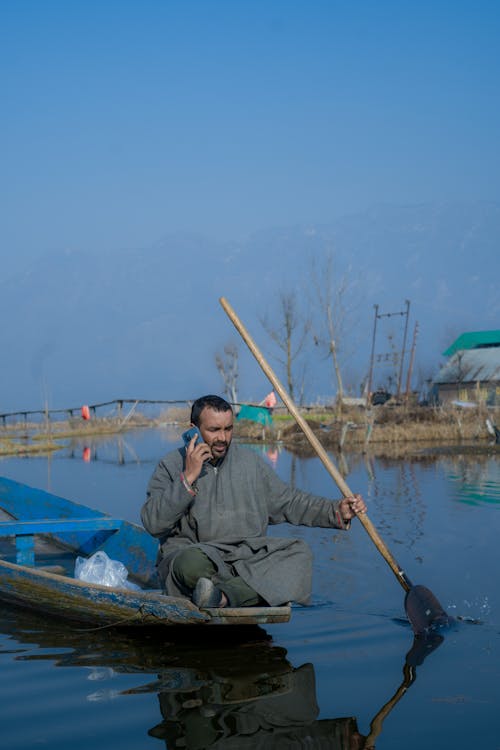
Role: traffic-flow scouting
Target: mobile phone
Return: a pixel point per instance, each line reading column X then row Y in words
column 189, row 435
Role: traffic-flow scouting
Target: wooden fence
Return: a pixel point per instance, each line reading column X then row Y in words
column 71, row 412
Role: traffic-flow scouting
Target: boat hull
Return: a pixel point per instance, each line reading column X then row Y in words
column 30, row 515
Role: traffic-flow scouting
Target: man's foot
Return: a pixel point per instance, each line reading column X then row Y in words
column 206, row 594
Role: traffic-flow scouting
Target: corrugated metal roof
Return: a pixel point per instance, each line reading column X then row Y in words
column 471, row 366
column 473, row 340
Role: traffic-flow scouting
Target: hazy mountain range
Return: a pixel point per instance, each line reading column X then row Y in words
column 84, row 327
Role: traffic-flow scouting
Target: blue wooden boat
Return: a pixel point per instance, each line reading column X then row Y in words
column 41, row 535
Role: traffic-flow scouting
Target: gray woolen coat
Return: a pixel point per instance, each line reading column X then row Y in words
column 228, row 519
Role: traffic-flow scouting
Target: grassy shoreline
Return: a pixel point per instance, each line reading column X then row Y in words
column 382, row 430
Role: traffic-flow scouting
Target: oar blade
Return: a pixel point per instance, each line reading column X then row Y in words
column 424, row 611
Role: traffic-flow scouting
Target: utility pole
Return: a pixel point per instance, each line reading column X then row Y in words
column 403, row 351
column 370, row 376
column 405, row 313
column 412, row 358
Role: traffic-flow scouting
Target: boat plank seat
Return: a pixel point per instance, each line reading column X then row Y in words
column 25, row 531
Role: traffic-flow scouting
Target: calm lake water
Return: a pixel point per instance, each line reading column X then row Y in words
column 341, row 666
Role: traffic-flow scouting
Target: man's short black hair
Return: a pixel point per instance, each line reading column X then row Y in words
column 212, row 402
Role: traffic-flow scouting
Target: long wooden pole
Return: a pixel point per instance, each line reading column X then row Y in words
column 315, row 443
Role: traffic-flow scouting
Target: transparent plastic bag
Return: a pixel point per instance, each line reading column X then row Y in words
column 99, row 568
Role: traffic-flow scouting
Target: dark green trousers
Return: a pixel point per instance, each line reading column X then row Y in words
column 192, row 563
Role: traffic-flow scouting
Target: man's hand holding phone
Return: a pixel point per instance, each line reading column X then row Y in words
column 197, row 452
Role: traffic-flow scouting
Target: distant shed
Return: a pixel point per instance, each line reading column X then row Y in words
column 472, row 374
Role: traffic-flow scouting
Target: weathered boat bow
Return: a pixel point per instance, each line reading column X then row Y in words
column 42, row 534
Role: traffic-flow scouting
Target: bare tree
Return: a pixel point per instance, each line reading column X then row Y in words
column 332, row 297
column 227, row 365
column 290, row 335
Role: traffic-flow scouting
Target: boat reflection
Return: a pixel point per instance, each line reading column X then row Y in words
column 247, row 703
column 235, row 689
column 249, row 700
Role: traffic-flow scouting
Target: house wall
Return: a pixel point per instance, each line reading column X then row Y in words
column 479, row 393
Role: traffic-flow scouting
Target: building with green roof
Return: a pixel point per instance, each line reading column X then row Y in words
column 474, row 340
column 472, row 374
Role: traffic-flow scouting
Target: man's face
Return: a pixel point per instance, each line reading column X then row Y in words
column 216, row 428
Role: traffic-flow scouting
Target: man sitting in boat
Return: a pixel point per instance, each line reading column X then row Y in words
column 210, row 504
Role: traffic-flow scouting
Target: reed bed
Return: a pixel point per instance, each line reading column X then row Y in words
column 398, row 430
column 387, row 429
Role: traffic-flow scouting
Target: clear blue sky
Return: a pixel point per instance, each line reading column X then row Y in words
column 124, row 121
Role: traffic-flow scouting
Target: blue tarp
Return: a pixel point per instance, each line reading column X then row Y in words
column 258, row 414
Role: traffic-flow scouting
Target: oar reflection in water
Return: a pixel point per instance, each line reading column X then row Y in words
column 421, row 648
column 254, row 703
column 238, row 692
column 256, row 699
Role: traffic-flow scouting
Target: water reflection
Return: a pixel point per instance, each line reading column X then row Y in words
column 443, row 528
column 269, row 704
column 219, row 689
column 474, row 482
column 116, row 450
column 420, row 650
column 258, row 701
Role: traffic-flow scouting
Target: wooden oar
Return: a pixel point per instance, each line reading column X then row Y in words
column 422, row 608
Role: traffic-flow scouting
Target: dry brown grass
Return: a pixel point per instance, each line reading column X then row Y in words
column 383, row 430
column 26, row 447
column 175, row 415
column 397, row 430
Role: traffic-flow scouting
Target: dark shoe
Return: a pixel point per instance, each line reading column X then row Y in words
column 206, row 594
